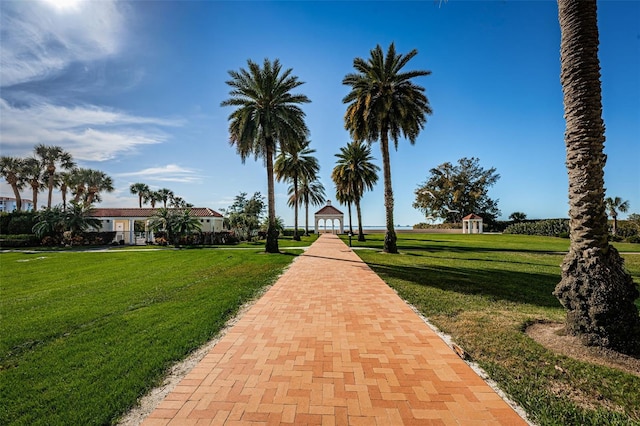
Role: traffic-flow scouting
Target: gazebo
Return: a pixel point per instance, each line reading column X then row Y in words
column 472, row 224
column 329, row 213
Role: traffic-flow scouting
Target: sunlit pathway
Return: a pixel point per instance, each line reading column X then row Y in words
column 331, row 343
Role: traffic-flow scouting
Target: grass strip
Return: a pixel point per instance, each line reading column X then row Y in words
column 86, row 334
column 484, row 290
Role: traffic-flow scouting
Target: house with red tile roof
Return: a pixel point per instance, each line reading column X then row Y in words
column 122, row 220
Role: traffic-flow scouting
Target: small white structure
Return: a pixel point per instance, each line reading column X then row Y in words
column 330, row 213
column 122, row 220
column 9, row 205
column 472, row 224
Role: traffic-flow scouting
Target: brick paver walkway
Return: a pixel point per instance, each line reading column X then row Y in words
column 331, row 343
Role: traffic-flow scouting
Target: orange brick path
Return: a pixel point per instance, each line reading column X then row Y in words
column 331, row 343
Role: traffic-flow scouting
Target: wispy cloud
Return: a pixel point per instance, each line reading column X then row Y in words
column 87, row 132
column 39, row 41
column 168, row 173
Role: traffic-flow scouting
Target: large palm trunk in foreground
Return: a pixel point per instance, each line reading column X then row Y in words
column 595, row 289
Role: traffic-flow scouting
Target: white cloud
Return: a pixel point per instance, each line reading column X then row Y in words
column 168, row 173
column 39, row 41
column 87, row 132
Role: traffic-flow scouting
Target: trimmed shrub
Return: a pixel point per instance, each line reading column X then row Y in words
column 21, row 223
column 548, row 228
column 98, row 238
column 19, row 240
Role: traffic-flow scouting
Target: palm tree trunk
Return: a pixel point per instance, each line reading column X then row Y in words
column 271, row 245
column 390, row 237
column 614, row 216
column 306, row 218
column 296, row 237
column 595, row 289
column 34, row 190
column 16, row 193
column 349, row 211
column 51, row 169
column 359, row 214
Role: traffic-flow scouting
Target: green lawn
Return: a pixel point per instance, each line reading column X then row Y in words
column 85, row 334
column 483, row 290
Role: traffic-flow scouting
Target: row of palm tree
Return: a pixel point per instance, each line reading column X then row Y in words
column 147, row 195
column 53, row 167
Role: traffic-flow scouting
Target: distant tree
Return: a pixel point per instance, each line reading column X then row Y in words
column 79, row 217
column 635, row 219
column 517, row 216
column 615, row 205
column 97, row 182
column 66, row 181
column 384, row 104
column 183, row 224
column 311, row 192
column 52, row 159
column 32, row 172
column 295, row 164
column 161, row 222
column 267, row 115
column 355, row 173
column 454, row 191
column 344, row 195
column 245, row 214
column 152, row 197
column 11, row 171
column 141, row 190
column 165, row 195
column 50, row 222
column 595, row 289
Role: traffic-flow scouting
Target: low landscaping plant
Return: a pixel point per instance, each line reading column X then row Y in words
column 484, row 290
column 85, row 334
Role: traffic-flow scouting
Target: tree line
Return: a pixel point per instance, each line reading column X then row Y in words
column 52, row 167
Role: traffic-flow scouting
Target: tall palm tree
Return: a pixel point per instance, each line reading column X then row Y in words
column 615, row 205
column 384, row 103
column 32, row 172
column 66, row 182
column 165, row 195
column 52, row 158
column 355, row 171
column 152, row 197
column 140, row 189
column 11, row 171
column 310, row 191
column 294, row 164
column 594, row 288
column 97, row 182
column 267, row 114
column 344, row 195
column 88, row 185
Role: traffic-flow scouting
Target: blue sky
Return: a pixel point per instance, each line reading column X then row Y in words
column 134, row 89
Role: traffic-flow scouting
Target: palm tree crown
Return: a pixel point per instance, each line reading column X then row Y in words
column 615, row 205
column 266, row 114
column 11, row 171
column 384, row 103
column 53, row 157
column 309, row 192
column 141, row 190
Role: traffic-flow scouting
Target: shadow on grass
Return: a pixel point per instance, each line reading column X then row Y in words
column 496, row 284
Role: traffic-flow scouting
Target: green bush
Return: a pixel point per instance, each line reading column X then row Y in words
column 289, row 232
column 5, row 218
column 19, row 240
column 547, row 228
column 626, row 229
column 20, row 223
column 635, row 239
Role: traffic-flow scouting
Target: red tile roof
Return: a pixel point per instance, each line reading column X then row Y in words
column 471, row 216
column 146, row 212
column 329, row 210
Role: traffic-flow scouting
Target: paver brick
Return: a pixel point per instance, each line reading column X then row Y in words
column 331, row 343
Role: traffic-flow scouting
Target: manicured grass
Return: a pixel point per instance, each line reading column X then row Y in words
column 85, row 334
column 484, row 290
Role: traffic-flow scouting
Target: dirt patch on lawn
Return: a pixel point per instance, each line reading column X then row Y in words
column 552, row 336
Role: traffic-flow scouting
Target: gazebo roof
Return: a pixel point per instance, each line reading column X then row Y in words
column 146, row 212
column 329, row 210
column 472, row 217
